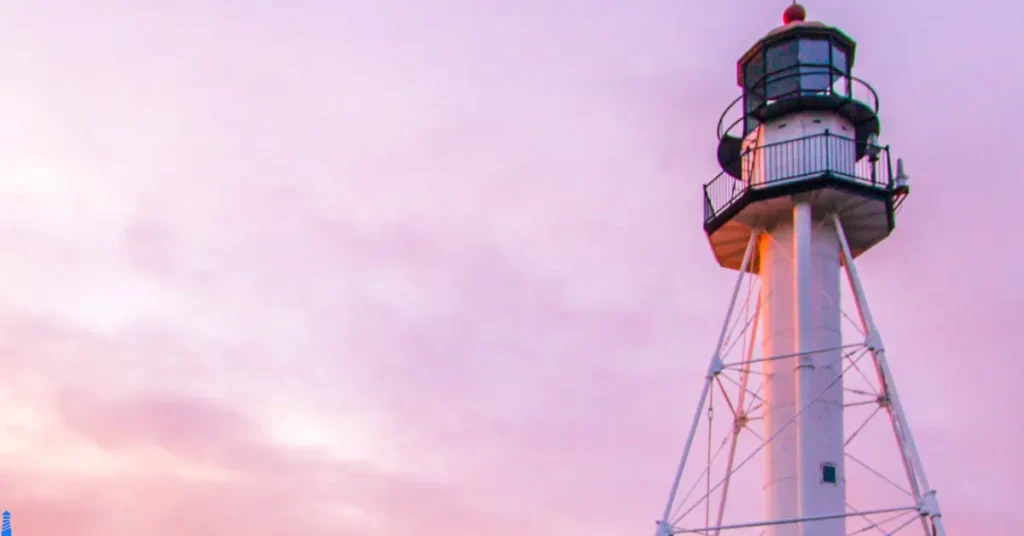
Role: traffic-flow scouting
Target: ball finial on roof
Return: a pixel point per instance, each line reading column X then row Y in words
column 794, row 13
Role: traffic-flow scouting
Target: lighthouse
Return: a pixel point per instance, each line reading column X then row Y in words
column 806, row 188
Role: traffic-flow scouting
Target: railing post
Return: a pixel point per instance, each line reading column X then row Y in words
column 709, row 209
column 888, row 164
column 828, row 162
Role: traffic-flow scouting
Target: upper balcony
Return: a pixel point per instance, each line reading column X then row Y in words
column 796, row 165
column 863, row 189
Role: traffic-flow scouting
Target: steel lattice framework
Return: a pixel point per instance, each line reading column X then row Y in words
column 709, row 484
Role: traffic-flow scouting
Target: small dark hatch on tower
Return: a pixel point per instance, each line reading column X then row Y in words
column 829, row 474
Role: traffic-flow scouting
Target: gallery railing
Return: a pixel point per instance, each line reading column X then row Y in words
column 791, row 161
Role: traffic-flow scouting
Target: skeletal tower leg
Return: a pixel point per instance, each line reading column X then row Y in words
column 665, row 526
column 931, row 516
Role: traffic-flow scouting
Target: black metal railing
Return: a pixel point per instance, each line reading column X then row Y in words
column 800, row 159
column 845, row 87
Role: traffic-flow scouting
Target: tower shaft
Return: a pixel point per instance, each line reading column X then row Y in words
column 799, row 273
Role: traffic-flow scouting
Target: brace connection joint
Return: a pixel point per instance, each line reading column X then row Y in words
column 664, row 529
column 929, row 505
column 740, row 422
column 716, row 367
column 883, row 401
column 874, row 341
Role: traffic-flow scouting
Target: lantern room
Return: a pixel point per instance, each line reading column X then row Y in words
column 801, row 59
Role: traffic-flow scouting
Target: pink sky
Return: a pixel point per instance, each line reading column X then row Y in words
column 316, row 268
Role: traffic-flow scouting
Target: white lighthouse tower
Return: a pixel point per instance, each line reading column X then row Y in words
column 805, row 189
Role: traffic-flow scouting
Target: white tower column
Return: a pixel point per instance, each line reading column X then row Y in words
column 800, row 276
column 803, row 241
column 778, row 338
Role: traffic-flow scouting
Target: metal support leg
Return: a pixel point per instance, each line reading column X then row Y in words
column 927, row 503
column 665, row 525
column 742, row 413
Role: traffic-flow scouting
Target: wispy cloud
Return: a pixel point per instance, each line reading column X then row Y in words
column 380, row 268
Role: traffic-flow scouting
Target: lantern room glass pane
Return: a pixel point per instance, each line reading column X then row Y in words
column 839, row 59
column 814, row 79
column 840, row 85
column 781, row 56
column 751, row 102
column 753, row 72
column 813, row 52
column 782, row 85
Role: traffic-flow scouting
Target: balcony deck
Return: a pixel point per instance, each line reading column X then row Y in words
column 825, row 166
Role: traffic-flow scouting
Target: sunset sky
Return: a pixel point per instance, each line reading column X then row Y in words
column 437, row 268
